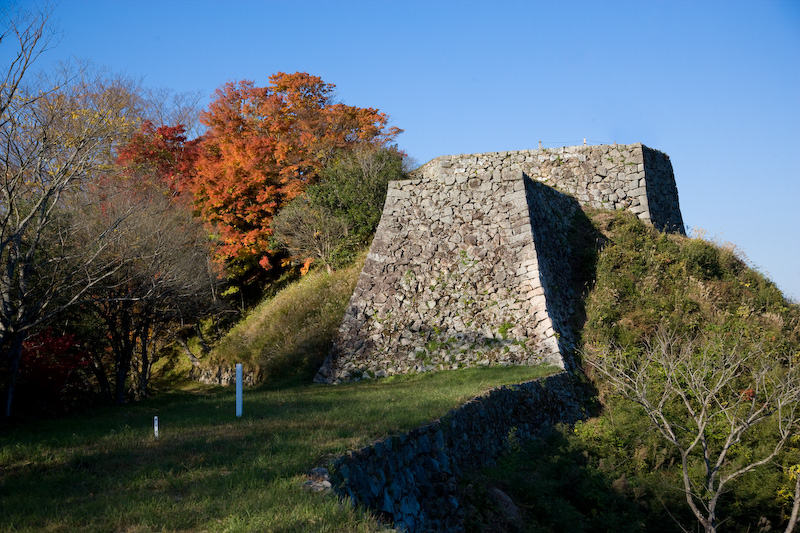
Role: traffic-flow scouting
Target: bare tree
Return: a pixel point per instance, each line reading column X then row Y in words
column 166, row 276
column 56, row 133
column 705, row 395
column 166, row 107
column 309, row 232
column 31, row 35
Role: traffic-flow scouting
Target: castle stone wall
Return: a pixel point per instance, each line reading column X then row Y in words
column 469, row 262
column 411, row 479
column 605, row 176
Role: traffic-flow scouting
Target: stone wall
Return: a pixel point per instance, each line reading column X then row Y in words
column 632, row 176
column 452, row 279
column 411, row 479
column 662, row 194
column 222, row 375
column 469, row 262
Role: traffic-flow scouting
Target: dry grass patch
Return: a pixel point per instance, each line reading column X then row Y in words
column 291, row 333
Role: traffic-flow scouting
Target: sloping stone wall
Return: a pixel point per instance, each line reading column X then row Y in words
column 469, row 262
column 662, row 194
column 452, row 279
column 412, row 478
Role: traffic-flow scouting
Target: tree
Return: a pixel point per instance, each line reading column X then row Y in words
column 56, row 133
column 263, row 147
column 354, row 184
column 163, row 153
column 33, row 36
column 708, row 397
column 166, row 275
column 340, row 212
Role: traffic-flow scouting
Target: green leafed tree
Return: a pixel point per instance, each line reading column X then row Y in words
column 340, row 213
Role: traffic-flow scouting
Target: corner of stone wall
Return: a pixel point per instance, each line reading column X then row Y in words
column 469, row 257
column 662, row 192
column 551, row 215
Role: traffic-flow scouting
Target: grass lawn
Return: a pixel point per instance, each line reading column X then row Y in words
column 104, row 470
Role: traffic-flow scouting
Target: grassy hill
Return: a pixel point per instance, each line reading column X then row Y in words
column 614, row 472
column 208, row 471
column 290, row 334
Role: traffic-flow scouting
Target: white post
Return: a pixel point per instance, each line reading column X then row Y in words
column 584, row 141
column 155, row 426
column 238, row 389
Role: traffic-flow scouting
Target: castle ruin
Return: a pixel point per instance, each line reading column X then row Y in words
column 469, row 265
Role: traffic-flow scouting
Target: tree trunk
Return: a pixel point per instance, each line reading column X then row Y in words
column 14, row 355
column 796, row 507
column 192, row 357
column 121, row 376
column 146, row 363
column 102, row 378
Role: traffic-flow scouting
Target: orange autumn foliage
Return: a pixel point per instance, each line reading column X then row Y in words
column 263, row 146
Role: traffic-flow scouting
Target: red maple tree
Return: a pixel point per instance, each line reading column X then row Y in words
column 162, row 152
column 263, row 146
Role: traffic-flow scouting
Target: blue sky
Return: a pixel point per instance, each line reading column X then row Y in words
column 715, row 85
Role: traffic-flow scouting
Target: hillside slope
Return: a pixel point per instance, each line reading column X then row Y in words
column 615, row 472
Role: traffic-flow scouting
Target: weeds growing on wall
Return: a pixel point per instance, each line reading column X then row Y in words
column 614, row 472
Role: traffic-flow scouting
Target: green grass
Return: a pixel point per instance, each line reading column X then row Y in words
column 290, row 333
column 104, row 471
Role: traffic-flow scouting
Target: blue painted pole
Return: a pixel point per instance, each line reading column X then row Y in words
column 238, row 389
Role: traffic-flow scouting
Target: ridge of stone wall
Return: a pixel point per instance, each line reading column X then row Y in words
column 632, row 176
column 411, row 479
column 469, row 264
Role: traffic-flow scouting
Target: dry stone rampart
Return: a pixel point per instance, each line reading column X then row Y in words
column 469, row 262
column 605, row 176
column 411, row 479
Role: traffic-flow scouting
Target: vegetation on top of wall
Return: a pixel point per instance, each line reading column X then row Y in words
column 628, row 476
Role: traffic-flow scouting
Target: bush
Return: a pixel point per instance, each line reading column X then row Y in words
column 56, row 374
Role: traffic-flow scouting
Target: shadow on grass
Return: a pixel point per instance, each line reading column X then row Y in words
column 549, row 485
column 105, row 471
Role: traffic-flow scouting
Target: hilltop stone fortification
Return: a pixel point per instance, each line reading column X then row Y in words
column 469, row 265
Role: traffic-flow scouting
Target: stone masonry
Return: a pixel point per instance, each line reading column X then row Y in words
column 411, row 479
column 469, row 262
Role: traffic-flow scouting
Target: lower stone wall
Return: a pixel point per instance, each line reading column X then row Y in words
column 223, row 376
column 411, row 479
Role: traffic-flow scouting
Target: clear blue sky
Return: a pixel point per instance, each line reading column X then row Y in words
column 714, row 84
